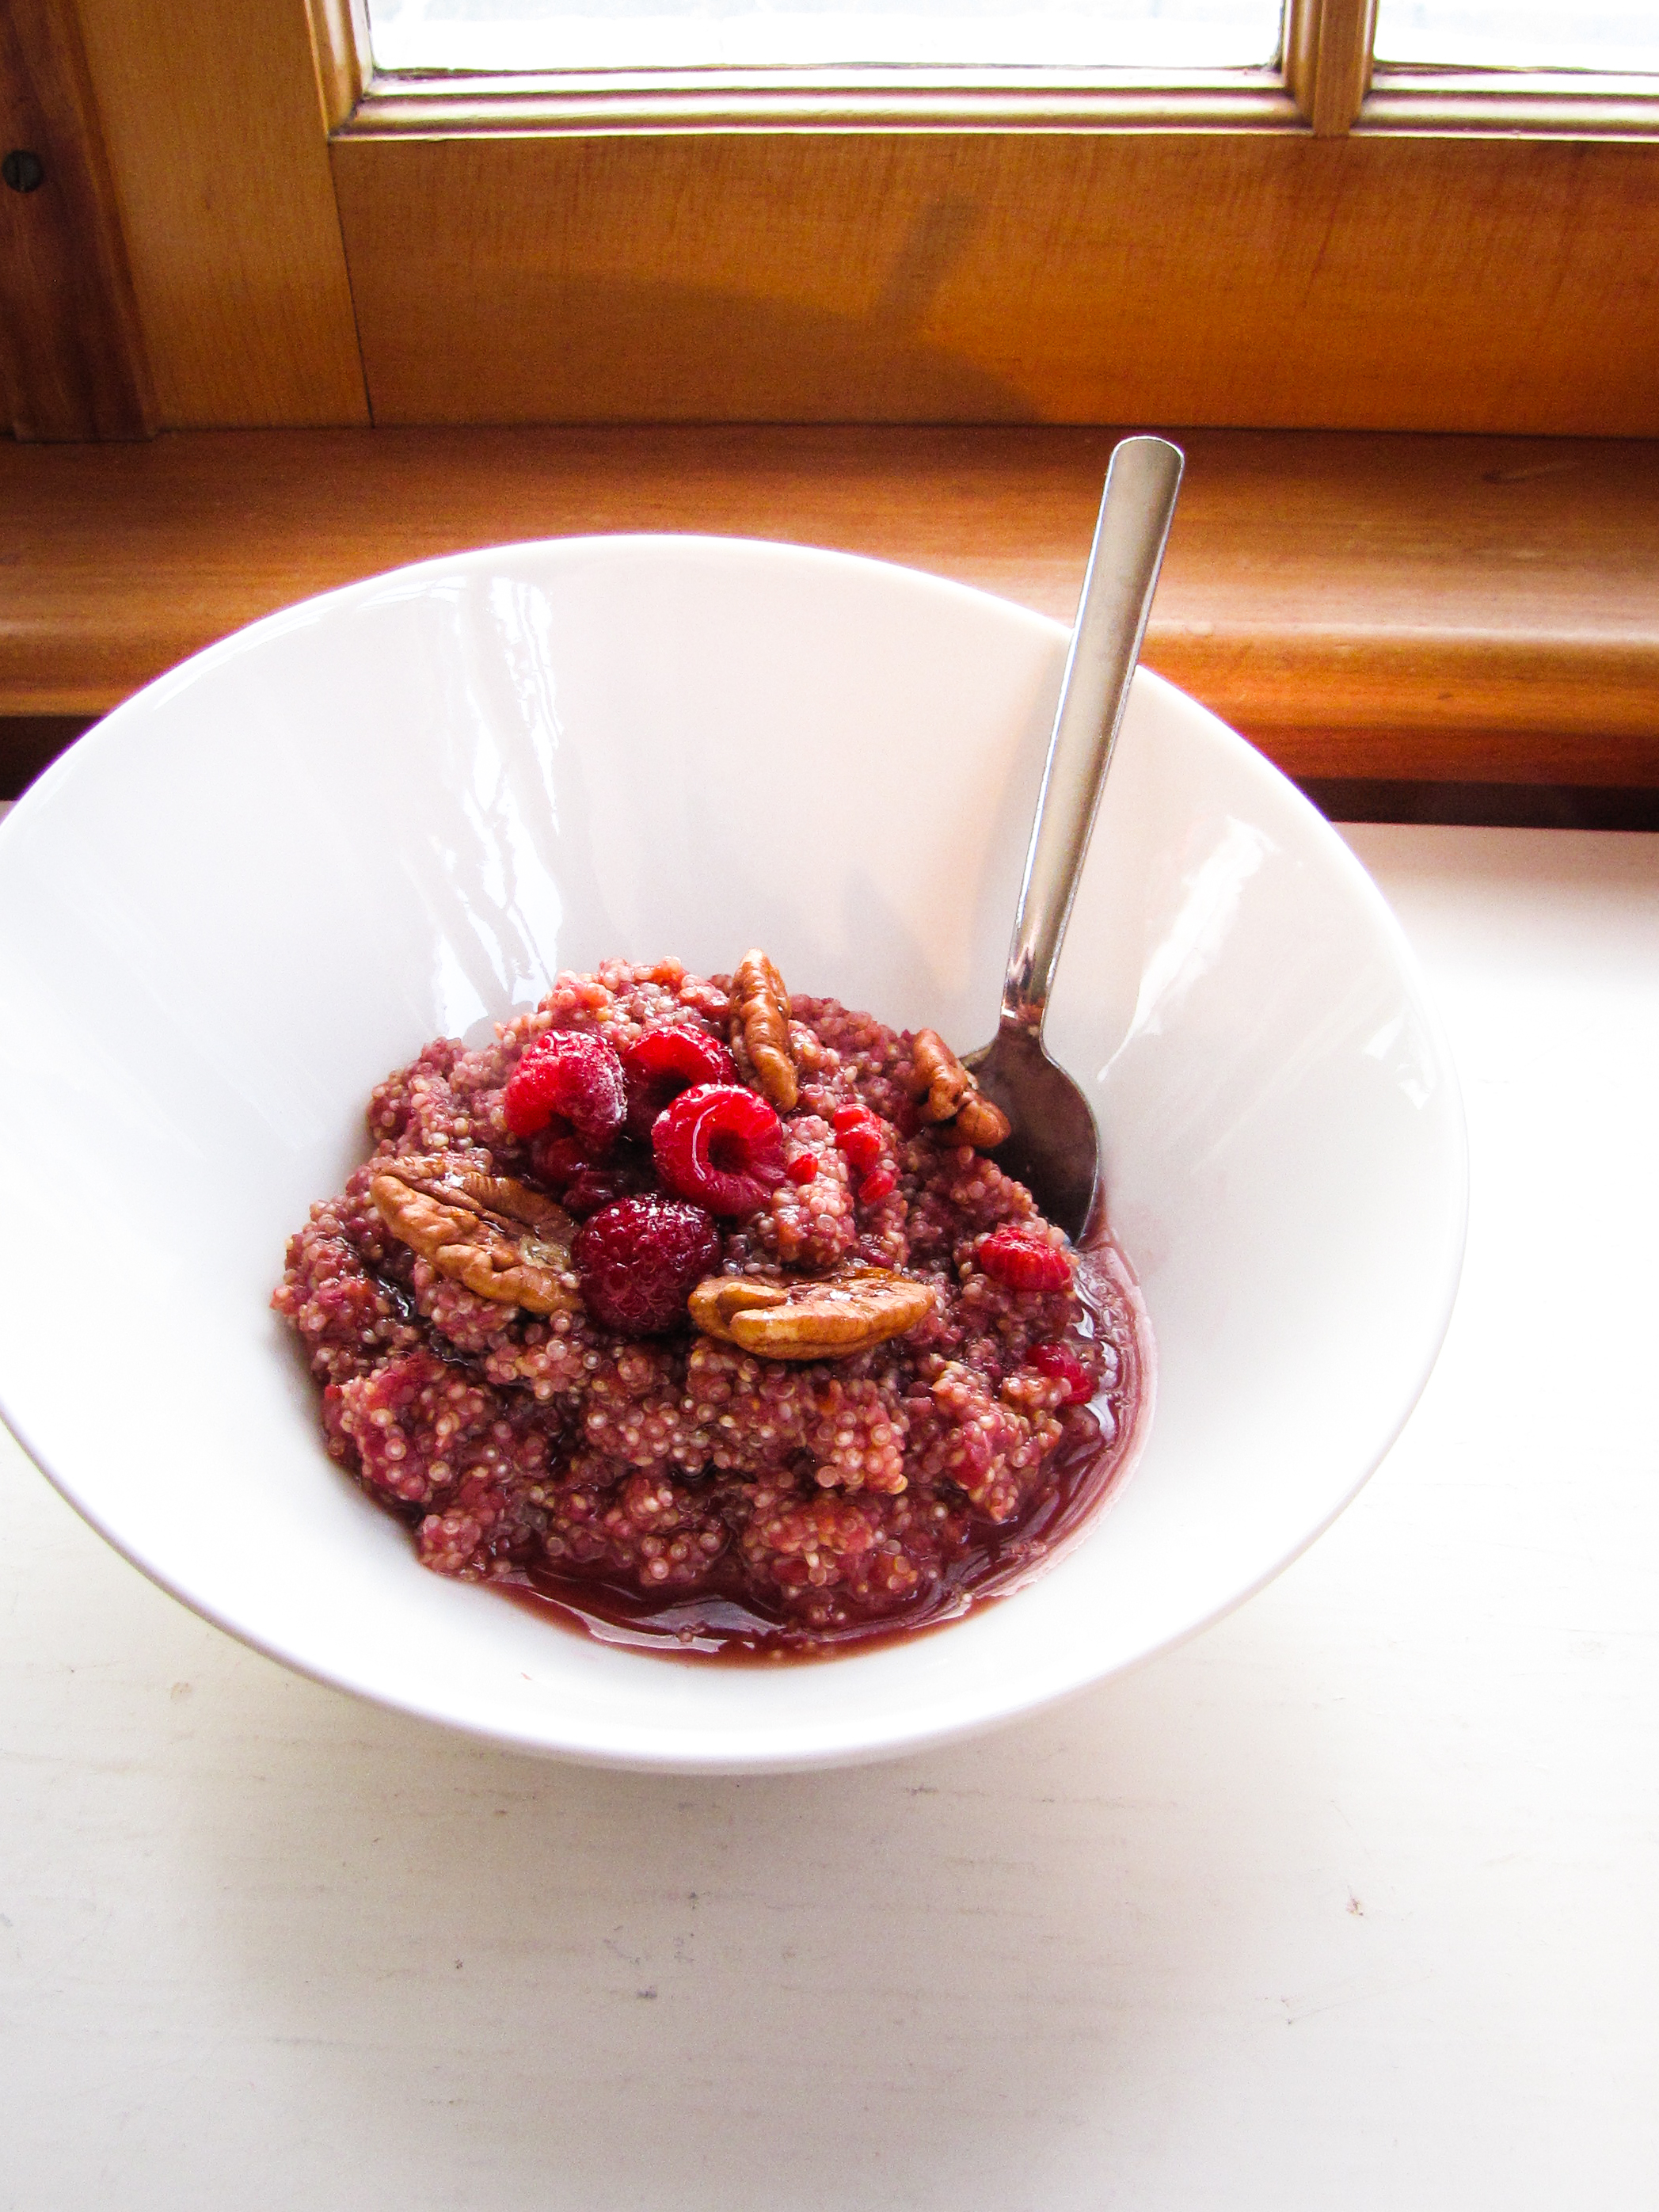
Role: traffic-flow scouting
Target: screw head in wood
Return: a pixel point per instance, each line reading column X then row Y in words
column 24, row 171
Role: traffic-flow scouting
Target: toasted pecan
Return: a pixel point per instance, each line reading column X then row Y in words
column 948, row 1093
column 816, row 1317
column 760, row 1025
column 979, row 1123
column 499, row 1238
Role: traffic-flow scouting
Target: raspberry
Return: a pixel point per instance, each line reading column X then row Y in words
column 663, row 1062
column 858, row 1134
column 1061, row 1364
column 1023, row 1259
column 719, row 1145
column 640, row 1258
column 571, row 1074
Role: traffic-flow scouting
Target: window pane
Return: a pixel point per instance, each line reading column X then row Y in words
column 1614, row 36
column 644, row 35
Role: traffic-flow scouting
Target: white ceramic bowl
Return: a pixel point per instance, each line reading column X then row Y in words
column 392, row 812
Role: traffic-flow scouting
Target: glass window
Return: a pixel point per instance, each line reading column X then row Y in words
column 1610, row 36
column 544, row 36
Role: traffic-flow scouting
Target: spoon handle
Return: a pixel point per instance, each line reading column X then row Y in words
column 1135, row 513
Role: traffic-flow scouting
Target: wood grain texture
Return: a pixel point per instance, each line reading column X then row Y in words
column 1361, row 606
column 72, row 359
column 1251, row 278
column 213, row 115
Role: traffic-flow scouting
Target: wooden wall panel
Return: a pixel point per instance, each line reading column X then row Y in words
column 71, row 351
column 1261, row 278
column 214, row 119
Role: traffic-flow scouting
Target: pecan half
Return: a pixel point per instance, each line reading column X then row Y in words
column 759, row 1019
column 499, row 1238
column 951, row 1094
column 822, row 1317
column 979, row 1124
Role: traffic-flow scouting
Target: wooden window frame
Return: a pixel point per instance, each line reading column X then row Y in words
column 1324, row 81
column 1507, row 103
column 441, row 142
column 312, row 244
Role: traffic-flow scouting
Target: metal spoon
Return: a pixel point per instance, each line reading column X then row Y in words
column 1055, row 1149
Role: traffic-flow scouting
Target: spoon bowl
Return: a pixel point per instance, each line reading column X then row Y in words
column 1054, row 1146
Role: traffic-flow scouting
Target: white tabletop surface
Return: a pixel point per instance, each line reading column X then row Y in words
column 1352, row 1903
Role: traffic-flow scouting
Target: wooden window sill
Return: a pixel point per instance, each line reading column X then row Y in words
column 1381, row 606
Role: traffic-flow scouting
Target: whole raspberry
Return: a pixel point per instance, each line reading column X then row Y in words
column 663, row 1062
column 639, row 1260
column 721, row 1146
column 572, row 1074
column 1061, row 1364
column 1024, row 1260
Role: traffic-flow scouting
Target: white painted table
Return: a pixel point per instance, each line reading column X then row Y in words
column 1353, row 1903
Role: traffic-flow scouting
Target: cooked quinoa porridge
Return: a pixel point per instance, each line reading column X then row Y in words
column 700, row 1314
